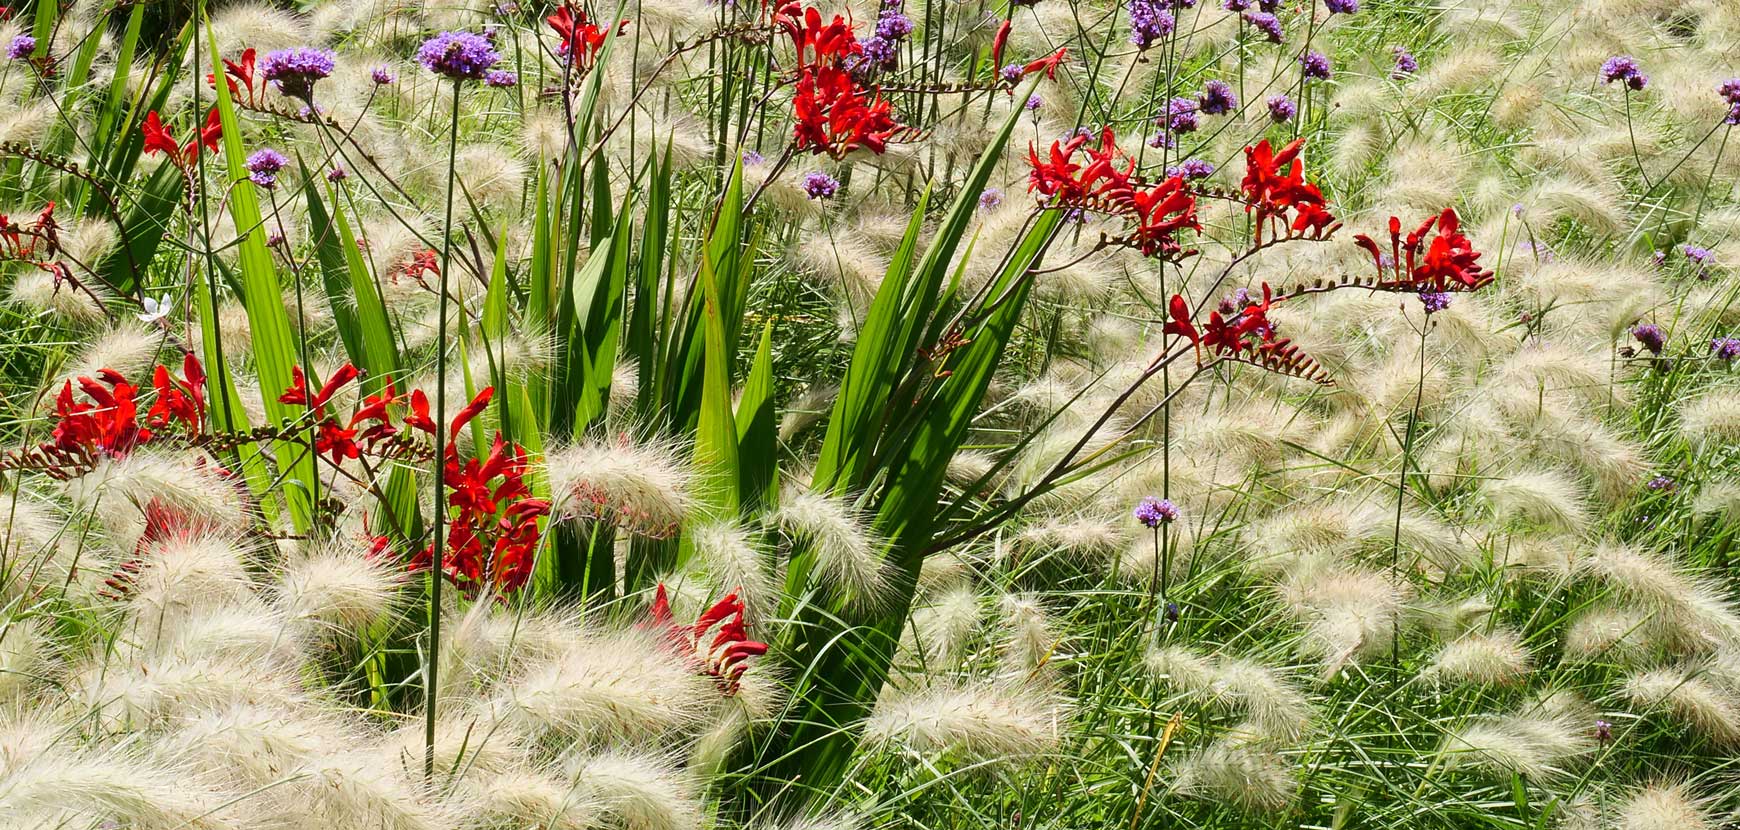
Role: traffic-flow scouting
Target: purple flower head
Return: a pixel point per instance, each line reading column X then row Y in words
column 1662, row 483
column 458, row 55
column 1649, row 336
column 1181, row 115
column 1034, row 102
column 1172, row 612
column 1163, row 139
column 1266, row 23
column 293, row 71
column 382, row 76
column 500, row 78
column 1434, row 301
column 263, row 166
column 1603, row 731
column 877, row 53
column 1191, row 169
column 274, row 238
column 1623, row 68
column 1658, row 259
column 1341, row 6
column 1154, row 512
column 1282, row 109
column 1217, row 98
column 1315, row 65
column 336, row 174
column 1405, row 64
column 1701, row 256
column 1725, row 348
column 819, row 185
column 752, row 157
column 1149, row 23
column 1010, row 74
column 21, row 48
column 1235, row 5
column 1235, row 302
column 1730, row 91
column 990, row 198
column 1733, row 118
column 892, row 25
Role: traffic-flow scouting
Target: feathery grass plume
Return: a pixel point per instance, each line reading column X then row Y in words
column 1535, row 743
column 1083, row 537
column 36, row 547
column 490, row 643
column 976, row 722
column 185, row 567
column 39, row 292
column 117, row 491
column 1491, row 658
column 1613, row 633
column 728, row 553
column 940, row 627
column 127, row 347
column 1715, row 498
column 340, row 586
column 1543, row 498
column 1028, row 639
column 247, row 631
column 619, row 685
column 1588, row 204
column 367, row 787
column 642, row 487
column 635, row 792
column 846, row 261
column 153, row 688
column 527, row 798
column 1662, row 807
column 101, row 785
column 1252, row 431
column 1273, row 705
column 1240, row 773
column 1308, row 534
column 23, row 655
column 1691, row 698
column 806, row 410
column 467, row 739
column 1695, row 612
column 1538, row 369
column 245, row 745
column 1349, row 613
column 1613, row 463
column 1712, row 417
column 848, row 556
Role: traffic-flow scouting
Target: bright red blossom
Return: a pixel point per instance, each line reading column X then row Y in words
column 108, row 425
column 159, row 140
column 1275, row 186
column 726, row 656
column 833, row 113
column 581, row 38
column 1108, row 182
column 1448, row 263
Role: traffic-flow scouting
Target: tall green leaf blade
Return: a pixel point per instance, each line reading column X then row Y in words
column 758, row 431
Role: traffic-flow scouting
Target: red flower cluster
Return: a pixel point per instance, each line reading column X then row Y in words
column 495, row 511
column 181, row 399
column 329, row 438
column 235, row 71
column 833, row 113
column 725, row 657
column 581, row 38
column 159, row 140
column 1159, row 210
column 1448, row 263
column 106, row 426
column 1274, row 186
column 21, row 241
column 1247, row 335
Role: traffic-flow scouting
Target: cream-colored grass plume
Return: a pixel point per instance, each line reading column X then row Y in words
column 1593, row 206
column 24, row 647
column 341, row 586
column 979, row 723
column 1712, row 417
column 1028, row 639
column 1542, row 498
column 1612, row 633
column 847, row 555
column 32, row 538
column 1250, row 777
column 1494, row 658
column 186, row 570
column 1695, row 613
column 1084, row 537
column 642, row 487
column 1349, row 614
column 635, row 792
column 39, row 292
column 1691, row 698
column 941, row 626
column 1273, row 705
column 102, row 785
column 845, row 260
column 1535, row 743
column 1662, row 807
column 117, row 492
column 490, row 643
column 1719, row 499
column 734, row 562
column 129, row 347
column 622, row 686
column 525, row 798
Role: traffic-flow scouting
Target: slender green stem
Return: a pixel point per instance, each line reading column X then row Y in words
column 432, row 666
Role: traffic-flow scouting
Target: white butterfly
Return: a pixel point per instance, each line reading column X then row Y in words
column 155, row 310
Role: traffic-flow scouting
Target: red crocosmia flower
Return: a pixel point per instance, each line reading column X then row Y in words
column 159, row 140
column 106, row 426
column 1162, row 211
column 419, row 415
column 725, row 656
column 470, row 411
column 997, row 44
column 835, row 116
column 1274, row 184
column 179, row 400
column 1448, row 263
column 376, row 413
column 493, row 536
column 819, row 44
column 1180, row 323
column 234, row 71
column 1049, row 63
column 1058, row 176
column 581, row 38
column 336, row 441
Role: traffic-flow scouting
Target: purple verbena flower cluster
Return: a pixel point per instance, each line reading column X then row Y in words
column 1217, row 98
column 293, row 71
column 990, row 198
column 1725, row 348
column 500, row 78
column 1181, row 115
column 1434, row 301
column 458, row 55
column 1315, row 65
column 1730, row 92
column 1153, row 512
column 1266, row 23
column 1149, row 23
column 1405, row 64
column 21, row 48
column 263, row 166
column 1649, row 336
column 819, row 185
column 1282, row 109
column 1623, row 68
column 1190, row 169
column 1341, row 6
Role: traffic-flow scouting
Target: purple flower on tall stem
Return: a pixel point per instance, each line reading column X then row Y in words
column 1434, row 301
column 1149, row 23
column 1699, row 256
column 1217, row 98
column 500, row 78
column 1649, row 336
column 382, row 76
column 990, row 198
column 819, row 185
column 1405, row 64
column 752, row 157
column 1010, row 74
column 21, row 48
column 1181, row 115
column 1034, row 102
column 1235, row 5
column 263, row 166
column 293, row 71
column 1282, row 109
column 336, row 174
column 1153, row 512
column 1315, row 65
column 458, row 55
column 1341, row 6
column 1664, row 484
column 1191, row 169
column 1266, row 23
column 1725, row 348
column 1623, row 68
